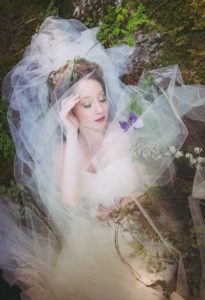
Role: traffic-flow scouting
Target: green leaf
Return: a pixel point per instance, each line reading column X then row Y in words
column 130, row 40
column 119, row 18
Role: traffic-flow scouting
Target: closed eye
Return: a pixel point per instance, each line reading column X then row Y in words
column 86, row 102
column 103, row 99
column 86, row 105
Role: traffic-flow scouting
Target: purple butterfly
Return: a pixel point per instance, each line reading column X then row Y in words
column 135, row 120
column 124, row 125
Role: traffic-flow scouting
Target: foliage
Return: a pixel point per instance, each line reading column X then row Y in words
column 51, row 10
column 27, row 20
column 170, row 213
column 90, row 15
column 17, row 29
column 14, row 191
column 198, row 14
column 7, row 148
column 191, row 258
column 119, row 24
column 183, row 23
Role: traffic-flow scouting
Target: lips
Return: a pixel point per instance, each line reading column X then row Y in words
column 100, row 119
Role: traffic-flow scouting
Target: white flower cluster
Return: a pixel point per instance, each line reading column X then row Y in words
column 194, row 160
column 147, row 150
column 151, row 150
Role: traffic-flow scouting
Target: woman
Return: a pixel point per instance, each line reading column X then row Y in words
column 86, row 144
column 84, row 116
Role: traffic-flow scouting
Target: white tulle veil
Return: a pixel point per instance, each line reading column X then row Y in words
column 37, row 130
column 35, row 124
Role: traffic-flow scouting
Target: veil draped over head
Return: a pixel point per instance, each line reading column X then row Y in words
column 33, row 119
column 144, row 120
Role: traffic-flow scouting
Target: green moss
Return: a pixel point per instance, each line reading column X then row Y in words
column 7, row 149
column 119, row 24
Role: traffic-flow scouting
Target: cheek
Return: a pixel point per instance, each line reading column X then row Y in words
column 107, row 108
column 81, row 114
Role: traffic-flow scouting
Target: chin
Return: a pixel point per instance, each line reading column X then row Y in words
column 101, row 124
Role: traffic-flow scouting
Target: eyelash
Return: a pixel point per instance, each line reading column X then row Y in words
column 101, row 100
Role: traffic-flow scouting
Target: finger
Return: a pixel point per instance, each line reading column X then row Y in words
column 67, row 112
column 69, row 99
column 68, row 106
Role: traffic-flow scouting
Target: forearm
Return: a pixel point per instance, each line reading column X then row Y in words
column 70, row 172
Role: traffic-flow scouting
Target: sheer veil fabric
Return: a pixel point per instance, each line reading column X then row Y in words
column 78, row 259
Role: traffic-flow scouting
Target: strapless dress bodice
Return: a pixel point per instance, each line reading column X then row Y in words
column 115, row 181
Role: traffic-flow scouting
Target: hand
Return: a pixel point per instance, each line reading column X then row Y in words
column 104, row 212
column 66, row 116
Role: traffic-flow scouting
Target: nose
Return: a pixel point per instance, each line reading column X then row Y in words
column 98, row 108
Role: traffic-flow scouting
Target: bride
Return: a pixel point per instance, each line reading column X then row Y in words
column 86, row 147
column 84, row 116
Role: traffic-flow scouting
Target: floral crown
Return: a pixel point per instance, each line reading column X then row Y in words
column 71, row 72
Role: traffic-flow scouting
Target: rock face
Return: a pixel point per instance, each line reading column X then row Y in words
column 147, row 47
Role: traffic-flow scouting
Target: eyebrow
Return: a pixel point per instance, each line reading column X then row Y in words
column 88, row 97
column 85, row 98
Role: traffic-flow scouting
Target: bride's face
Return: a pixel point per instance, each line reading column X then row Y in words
column 92, row 109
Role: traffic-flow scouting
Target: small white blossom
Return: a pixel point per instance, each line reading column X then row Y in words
column 197, row 150
column 172, row 149
column 189, row 155
column 179, row 154
column 192, row 161
column 198, row 166
column 200, row 159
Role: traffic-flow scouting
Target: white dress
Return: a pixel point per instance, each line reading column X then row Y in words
column 92, row 259
column 88, row 265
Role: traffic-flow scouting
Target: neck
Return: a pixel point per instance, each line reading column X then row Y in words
column 91, row 138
